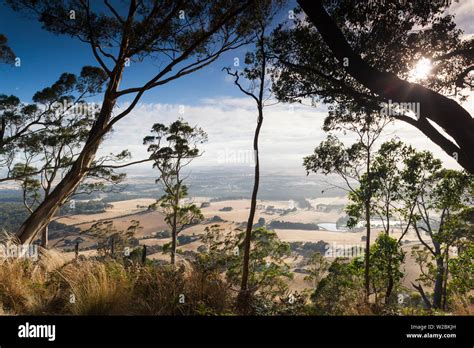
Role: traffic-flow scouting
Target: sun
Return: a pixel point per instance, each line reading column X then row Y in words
column 421, row 70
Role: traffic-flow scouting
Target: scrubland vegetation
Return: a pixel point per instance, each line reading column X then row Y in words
column 208, row 284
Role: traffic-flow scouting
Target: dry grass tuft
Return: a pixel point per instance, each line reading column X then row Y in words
column 96, row 288
column 462, row 304
column 108, row 287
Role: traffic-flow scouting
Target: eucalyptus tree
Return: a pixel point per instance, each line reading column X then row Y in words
column 255, row 86
column 352, row 163
column 268, row 273
column 442, row 199
column 370, row 52
column 461, row 268
column 395, row 195
column 41, row 140
column 387, row 257
column 172, row 148
column 393, row 201
column 45, row 155
column 111, row 241
column 181, row 37
column 50, row 106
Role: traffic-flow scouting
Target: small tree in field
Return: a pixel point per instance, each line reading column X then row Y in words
column 111, row 241
column 179, row 149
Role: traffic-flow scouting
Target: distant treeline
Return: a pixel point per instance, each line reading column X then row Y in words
column 227, row 198
column 10, row 196
column 309, row 248
column 330, row 207
column 303, row 203
column 293, row 225
column 89, row 207
column 12, row 216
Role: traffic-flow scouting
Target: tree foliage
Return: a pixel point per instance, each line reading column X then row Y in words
column 171, row 149
column 182, row 37
column 6, row 54
column 346, row 52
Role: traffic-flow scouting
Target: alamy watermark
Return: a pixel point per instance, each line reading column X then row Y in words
column 344, row 250
column 230, row 156
column 86, row 109
column 18, row 251
column 394, row 109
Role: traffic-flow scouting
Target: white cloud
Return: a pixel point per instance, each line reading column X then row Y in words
column 463, row 10
column 288, row 133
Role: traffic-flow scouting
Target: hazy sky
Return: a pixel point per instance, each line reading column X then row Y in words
column 207, row 98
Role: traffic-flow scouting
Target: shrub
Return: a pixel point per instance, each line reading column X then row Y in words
column 341, row 292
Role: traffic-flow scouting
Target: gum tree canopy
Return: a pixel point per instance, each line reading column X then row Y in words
column 181, row 36
column 346, row 51
column 6, row 54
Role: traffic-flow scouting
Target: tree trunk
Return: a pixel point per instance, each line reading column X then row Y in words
column 174, row 228
column 368, row 196
column 112, row 247
column 445, row 281
column 445, row 112
column 173, row 245
column 243, row 299
column 426, row 301
column 44, row 237
column 367, row 251
column 48, row 208
column 439, row 281
column 144, row 255
column 390, row 284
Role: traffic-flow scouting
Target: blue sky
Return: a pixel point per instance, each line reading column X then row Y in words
column 44, row 56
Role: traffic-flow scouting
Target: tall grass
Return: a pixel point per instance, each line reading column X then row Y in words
column 51, row 285
column 95, row 288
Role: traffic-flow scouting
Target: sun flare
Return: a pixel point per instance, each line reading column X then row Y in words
column 421, row 70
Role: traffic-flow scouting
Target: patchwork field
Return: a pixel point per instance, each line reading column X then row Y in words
column 235, row 213
column 120, row 208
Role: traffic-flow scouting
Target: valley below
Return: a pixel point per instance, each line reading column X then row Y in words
column 317, row 222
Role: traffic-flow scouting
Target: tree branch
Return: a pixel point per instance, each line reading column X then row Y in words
column 459, row 125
